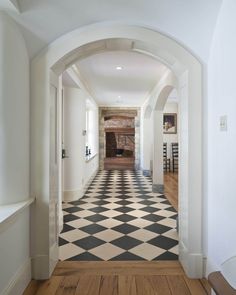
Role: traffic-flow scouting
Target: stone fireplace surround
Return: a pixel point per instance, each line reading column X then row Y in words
column 124, row 112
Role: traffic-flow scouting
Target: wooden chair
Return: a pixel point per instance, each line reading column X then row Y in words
column 175, row 156
column 166, row 161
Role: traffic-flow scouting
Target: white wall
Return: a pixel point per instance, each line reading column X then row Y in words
column 14, row 114
column 92, row 128
column 170, row 107
column 77, row 169
column 221, row 145
column 14, row 157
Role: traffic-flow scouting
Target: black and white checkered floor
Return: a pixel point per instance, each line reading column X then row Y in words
column 119, row 218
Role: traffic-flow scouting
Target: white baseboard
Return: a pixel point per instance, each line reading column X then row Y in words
column 70, row 196
column 20, row 280
column 89, row 181
column 40, row 267
column 191, row 262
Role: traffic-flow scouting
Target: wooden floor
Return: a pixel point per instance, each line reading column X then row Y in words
column 171, row 188
column 118, row 278
column 119, row 163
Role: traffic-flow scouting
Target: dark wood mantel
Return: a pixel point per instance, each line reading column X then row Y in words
column 121, row 130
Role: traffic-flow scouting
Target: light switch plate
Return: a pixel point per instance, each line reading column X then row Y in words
column 223, row 123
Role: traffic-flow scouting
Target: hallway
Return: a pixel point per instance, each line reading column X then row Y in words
column 119, row 218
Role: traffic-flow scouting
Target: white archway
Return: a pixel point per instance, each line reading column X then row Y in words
column 188, row 71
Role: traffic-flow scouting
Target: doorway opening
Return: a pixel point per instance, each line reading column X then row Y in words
column 171, row 148
column 119, row 143
column 188, row 70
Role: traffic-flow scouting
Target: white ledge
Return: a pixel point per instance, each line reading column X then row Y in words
column 89, row 158
column 9, row 211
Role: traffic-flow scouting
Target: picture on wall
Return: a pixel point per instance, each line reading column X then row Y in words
column 170, row 123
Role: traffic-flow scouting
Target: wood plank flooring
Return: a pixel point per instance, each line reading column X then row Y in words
column 119, row 163
column 171, row 188
column 118, row 278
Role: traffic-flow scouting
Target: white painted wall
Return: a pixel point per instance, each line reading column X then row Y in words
column 92, row 127
column 170, row 107
column 14, row 157
column 77, row 169
column 221, row 146
column 14, row 114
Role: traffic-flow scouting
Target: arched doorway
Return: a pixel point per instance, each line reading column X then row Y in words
column 187, row 69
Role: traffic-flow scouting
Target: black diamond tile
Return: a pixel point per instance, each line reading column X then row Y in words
column 124, row 209
column 126, row 242
column 78, row 202
column 149, row 209
column 163, row 242
column 89, row 243
column 86, row 256
column 127, row 256
column 62, row 242
column 123, row 202
column 69, row 217
column 157, row 228
column 67, row 228
column 96, row 218
column 171, row 209
column 153, row 217
column 125, row 217
column 147, row 202
column 167, row 256
column 92, row 228
column 166, row 202
column 101, row 202
column 98, row 209
column 124, row 197
column 103, row 192
column 174, row 216
column 72, row 209
column 145, row 197
column 125, row 228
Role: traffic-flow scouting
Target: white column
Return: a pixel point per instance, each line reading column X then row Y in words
column 147, row 138
column 158, row 179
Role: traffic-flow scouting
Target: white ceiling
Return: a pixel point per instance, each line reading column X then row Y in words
column 189, row 21
column 127, row 87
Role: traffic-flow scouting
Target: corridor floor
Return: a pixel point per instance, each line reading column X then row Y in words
column 120, row 219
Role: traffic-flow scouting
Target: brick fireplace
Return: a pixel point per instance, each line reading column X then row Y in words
column 119, row 138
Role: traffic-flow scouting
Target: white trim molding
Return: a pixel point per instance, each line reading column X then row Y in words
column 19, row 281
column 70, row 196
column 191, row 262
column 9, row 212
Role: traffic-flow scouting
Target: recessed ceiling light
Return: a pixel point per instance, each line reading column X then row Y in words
column 119, row 96
column 119, row 68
